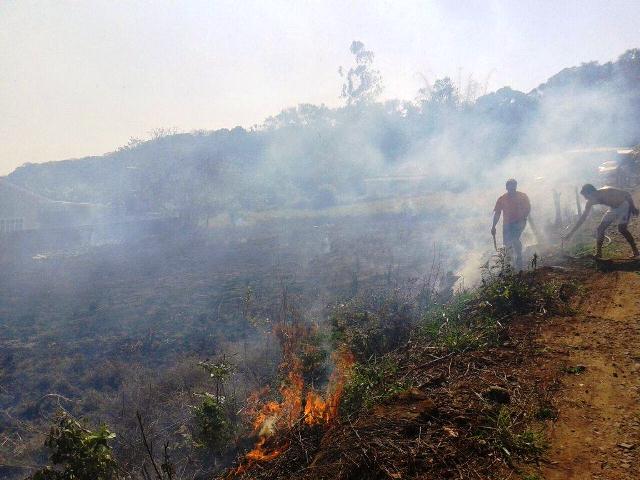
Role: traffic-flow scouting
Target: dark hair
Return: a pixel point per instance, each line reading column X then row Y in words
column 588, row 188
column 512, row 180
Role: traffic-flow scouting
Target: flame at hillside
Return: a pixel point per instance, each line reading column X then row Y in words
column 298, row 403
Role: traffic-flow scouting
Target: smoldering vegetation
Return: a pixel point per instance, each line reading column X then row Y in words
column 279, row 224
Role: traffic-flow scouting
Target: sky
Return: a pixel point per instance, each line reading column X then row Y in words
column 81, row 78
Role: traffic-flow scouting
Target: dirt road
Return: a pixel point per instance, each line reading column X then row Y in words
column 597, row 433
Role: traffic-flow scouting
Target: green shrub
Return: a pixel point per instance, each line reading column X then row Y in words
column 546, row 411
column 213, row 428
column 503, row 292
column 372, row 325
column 78, row 453
column 370, row 383
column 532, row 476
column 456, row 326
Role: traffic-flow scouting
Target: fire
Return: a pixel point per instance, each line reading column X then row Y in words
column 319, row 410
column 258, row 454
column 298, row 404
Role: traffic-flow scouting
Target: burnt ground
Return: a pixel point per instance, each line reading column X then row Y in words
column 574, row 379
column 471, row 414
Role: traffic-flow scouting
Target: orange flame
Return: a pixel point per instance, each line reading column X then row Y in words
column 295, row 405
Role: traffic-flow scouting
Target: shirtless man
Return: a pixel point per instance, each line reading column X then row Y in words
column 516, row 207
column 621, row 207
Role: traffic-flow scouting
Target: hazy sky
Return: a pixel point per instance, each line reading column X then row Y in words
column 82, row 77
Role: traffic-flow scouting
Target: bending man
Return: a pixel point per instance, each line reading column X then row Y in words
column 621, row 207
column 516, row 208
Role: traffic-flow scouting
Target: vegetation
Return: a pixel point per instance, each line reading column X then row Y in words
column 369, row 384
column 383, row 331
column 78, row 452
column 510, row 434
column 373, row 324
column 214, row 430
column 303, row 157
column 124, row 328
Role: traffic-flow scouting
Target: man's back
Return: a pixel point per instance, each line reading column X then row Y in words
column 611, row 197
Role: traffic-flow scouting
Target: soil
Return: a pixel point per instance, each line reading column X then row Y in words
column 597, row 433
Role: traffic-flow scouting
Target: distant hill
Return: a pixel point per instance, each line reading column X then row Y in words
column 312, row 156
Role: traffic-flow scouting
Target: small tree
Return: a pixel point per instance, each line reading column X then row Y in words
column 213, row 423
column 78, row 452
column 219, row 372
column 363, row 83
column 213, row 426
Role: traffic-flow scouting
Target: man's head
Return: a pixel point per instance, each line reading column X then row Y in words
column 511, row 185
column 588, row 191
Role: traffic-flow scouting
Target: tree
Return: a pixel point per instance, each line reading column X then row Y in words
column 444, row 93
column 212, row 416
column 363, row 83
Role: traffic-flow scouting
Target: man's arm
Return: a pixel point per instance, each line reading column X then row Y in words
column 496, row 217
column 583, row 217
column 634, row 209
column 527, row 205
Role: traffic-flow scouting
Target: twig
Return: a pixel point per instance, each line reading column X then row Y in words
column 147, row 447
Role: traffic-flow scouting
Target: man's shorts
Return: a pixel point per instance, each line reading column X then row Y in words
column 620, row 214
column 511, row 232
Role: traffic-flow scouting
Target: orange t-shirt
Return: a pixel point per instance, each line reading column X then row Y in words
column 514, row 208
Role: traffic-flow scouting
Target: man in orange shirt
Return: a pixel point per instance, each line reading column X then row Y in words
column 515, row 207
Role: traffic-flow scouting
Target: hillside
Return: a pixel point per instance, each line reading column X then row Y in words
column 527, row 376
column 328, row 303
column 314, row 157
column 550, row 392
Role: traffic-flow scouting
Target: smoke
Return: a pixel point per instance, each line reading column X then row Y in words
column 442, row 158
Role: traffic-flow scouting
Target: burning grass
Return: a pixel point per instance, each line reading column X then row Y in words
column 299, row 406
column 434, row 412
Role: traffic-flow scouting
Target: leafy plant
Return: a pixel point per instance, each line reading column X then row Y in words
column 575, row 369
column 370, row 383
column 372, row 325
column 313, row 355
column 213, row 427
column 219, row 372
column 504, row 292
column 546, row 411
column 78, row 452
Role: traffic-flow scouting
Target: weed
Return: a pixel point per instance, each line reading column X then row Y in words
column 531, row 476
column 372, row 325
column 546, row 412
column 213, row 427
column 504, row 433
column 370, row 383
column 575, row 370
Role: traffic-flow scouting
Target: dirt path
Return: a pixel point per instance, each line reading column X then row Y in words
column 597, row 434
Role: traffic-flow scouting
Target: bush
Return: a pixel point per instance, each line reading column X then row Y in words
column 372, row 325
column 473, row 320
column 503, row 292
column 313, row 356
column 213, row 427
column 454, row 326
column 78, row 453
column 370, row 383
